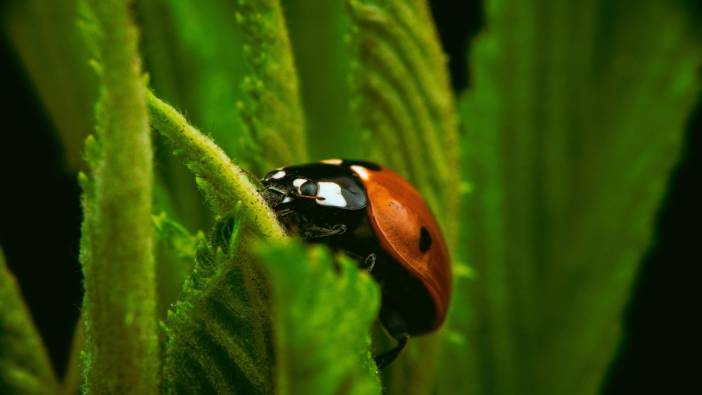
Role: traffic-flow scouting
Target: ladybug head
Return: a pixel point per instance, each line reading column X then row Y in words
column 282, row 188
column 313, row 192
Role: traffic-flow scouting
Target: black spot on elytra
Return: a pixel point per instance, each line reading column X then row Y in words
column 424, row 240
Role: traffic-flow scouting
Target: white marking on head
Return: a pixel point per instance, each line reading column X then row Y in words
column 298, row 182
column 333, row 161
column 361, row 171
column 287, row 199
column 277, row 175
column 330, row 193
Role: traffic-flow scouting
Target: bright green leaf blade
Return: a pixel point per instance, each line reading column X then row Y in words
column 322, row 315
column 46, row 36
column 121, row 348
column 405, row 103
column 24, row 364
column 271, row 109
column 574, row 122
column 319, row 33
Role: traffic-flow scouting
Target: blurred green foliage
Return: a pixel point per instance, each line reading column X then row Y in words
column 24, row 363
column 575, row 120
column 47, row 39
column 547, row 193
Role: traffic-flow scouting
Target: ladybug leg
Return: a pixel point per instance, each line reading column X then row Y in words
column 284, row 212
column 384, row 359
column 395, row 327
column 315, row 232
column 368, row 263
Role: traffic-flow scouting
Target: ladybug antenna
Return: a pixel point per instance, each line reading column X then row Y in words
column 311, row 197
column 384, row 359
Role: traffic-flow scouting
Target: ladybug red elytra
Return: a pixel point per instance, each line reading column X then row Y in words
column 375, row 216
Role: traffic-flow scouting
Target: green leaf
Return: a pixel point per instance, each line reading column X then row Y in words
column 176, row 249
column 405, row 104
column 46, row 37
column 218, row 334
column 223, row 337
column 271, row 109
column 121, row 349
column 322, row 315
column 574, row 121
column 178, row 239
column 24, row 364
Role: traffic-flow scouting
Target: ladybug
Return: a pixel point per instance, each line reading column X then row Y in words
column 375, row 216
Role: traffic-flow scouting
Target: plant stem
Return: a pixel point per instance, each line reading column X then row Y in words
column 121, row 353
column 223, row 182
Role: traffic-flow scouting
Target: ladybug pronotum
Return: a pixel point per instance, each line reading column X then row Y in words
column 374, row 215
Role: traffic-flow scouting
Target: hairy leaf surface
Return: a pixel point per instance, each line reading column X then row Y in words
column 322, row 314
column 219, row 332
column 119, row 309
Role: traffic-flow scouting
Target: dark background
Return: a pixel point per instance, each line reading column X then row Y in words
column 40, row 228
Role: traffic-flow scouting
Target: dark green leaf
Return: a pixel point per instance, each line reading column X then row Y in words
column 219, row 333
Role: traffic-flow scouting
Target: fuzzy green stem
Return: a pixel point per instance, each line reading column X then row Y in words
column 223, row 182
column 117, row 248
